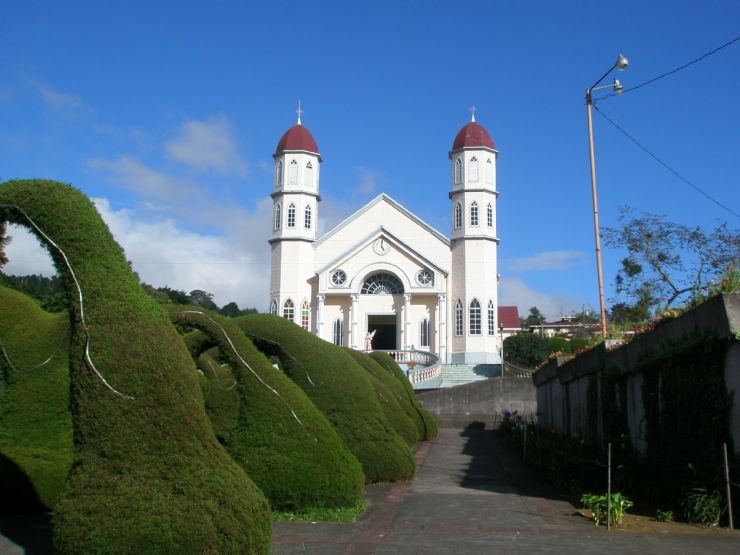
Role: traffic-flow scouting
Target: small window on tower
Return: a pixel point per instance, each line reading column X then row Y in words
column 458, row 171
column 288, row 310
column 273, row 306
column 279, row 174
column 475, row 318
column 458, row 318
column 491, row 319
column 305, row 315
column 307, row 217
column 489, row 215
column 276, row 218
column 458, row 216
column 291, row 215
column 489, row 171
column 473, row 169
column 474, row 213
column 292, row 172
column 309, row 175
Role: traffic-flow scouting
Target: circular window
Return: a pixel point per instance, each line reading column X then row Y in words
column 338, row 278
column 425, row 278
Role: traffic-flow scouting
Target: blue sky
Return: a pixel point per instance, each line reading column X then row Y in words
column 167, row 114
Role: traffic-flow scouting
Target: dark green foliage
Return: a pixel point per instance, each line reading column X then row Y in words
column 284, row 443
column 35, row 421
column 232, row 310
column 391, row 397
column 425, row 423
column 149, row 475
column 342, row 392
column 220, row 394
column 526, row 349
column 559, row 345
column 37, row 286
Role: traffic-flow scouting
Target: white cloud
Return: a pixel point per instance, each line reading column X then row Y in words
column 366, row 181
column 26, row 256
column 514, row 292
column 207, row 145
column 548, row 260
column 59, row 101
column 142, row 180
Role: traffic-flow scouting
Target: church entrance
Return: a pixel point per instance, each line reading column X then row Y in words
column 385, row 334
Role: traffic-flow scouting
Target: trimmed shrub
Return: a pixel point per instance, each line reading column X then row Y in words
column 281, row 439
column 340, row 388
column 219, row 393
column 149, row 476
column 423, row 419
column 559, row 345
column 391, row 397
column 36, row 447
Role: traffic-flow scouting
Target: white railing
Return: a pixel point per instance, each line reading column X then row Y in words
column 419, row 366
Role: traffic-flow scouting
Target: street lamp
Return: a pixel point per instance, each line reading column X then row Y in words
column 621, row 64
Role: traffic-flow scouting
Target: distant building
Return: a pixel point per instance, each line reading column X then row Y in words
column 383, row 269
column 566, row 326
column 508, row 321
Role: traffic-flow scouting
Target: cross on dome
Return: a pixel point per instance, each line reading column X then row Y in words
column 299, row 112
column 473, row 110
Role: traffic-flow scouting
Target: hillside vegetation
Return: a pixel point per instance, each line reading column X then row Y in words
column 340, row 388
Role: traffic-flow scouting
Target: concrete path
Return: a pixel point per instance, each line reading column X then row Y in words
column 472, row 496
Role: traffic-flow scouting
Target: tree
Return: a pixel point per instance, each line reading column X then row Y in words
column 4, row 240
column 526, row 349
column 202, row 298
column 232, row 310
column 668, row 262
column 535, row 317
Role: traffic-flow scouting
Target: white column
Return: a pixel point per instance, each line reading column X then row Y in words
column 406, row 321
column 320, row 298
column 442, row 327
column 353, row 319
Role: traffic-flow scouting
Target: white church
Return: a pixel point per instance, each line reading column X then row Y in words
column 383, row 269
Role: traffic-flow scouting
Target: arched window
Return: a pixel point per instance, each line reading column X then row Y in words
column 458, row 318
column 475, row 317
column 474, row 213
column 458, row 216
column 276, row 218
column 337, row 332
column 489, row 171
column 292, row 172
column 382, row 284
column 307, row 217
column 491, row 319
column 458, row 171
column 291, row 215
column 424, row 333
column 288, row 310
column 305, row 315
column 273, row 307
column 489, row 215
column 279, row 174
column 473, row 169
column 308, row 177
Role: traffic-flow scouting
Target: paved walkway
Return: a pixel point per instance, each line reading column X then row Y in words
column 472, row 496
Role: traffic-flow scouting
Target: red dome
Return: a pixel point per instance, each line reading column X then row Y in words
column 297, row 138
column 473, row 135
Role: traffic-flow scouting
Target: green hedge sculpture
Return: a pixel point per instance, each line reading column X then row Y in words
column 149, row 476
column 281, row 439
column 341, row 389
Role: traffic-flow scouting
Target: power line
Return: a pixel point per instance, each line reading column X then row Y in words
column 670, row 169
column 679, row 68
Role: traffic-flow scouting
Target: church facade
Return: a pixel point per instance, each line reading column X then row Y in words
column 383, row 271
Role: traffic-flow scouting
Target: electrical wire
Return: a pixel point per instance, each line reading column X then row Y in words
column 670, row 169
column 676, row 70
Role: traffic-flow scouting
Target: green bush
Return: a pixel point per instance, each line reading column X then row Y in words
column 390, row 395
column 599, row 506
column 526, row 349
column 702, row 507
column 281, row 439
column 148, row 476
column 340, row 389
column 423, row 419
column 219, row 393
column 559, row 345
column 35, row 421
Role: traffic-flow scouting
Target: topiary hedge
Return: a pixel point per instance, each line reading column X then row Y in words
column 149, row 476
column 35, row 421
column 340, row 389
column 390, row 395
column 219, row 393
column 422, row 418
column 281, row 439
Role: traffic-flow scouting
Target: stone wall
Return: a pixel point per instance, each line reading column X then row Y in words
column 563, row 387
column 483, row 401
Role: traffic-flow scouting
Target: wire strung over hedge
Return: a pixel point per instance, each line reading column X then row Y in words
column 284, row 443
column 149, row 475
column 340, row 388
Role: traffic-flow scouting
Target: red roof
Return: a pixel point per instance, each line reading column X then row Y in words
column 297, row 138
column 472, row 135
column 509, row 317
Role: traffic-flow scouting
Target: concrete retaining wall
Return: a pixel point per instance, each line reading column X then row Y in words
column 482, row 401
column 562, row 388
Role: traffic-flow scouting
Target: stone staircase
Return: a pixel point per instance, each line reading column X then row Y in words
column 459, row 374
